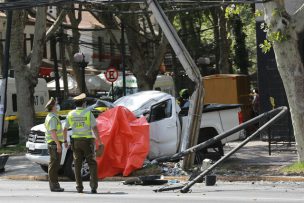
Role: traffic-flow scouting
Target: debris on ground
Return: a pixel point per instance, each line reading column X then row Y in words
column 145, row 180
column 172, row 169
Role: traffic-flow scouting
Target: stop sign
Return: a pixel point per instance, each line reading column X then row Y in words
column 111, row 74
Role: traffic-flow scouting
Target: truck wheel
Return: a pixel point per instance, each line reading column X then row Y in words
column 218, row 151
column 69, row 168
column 44, row 168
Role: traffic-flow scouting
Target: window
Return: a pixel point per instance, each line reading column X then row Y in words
column 161, row 111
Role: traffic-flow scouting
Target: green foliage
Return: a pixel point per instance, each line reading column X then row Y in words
column 266, row 46
column 259, row 13
column 241, row 18
column 232, row 10
column 13, row 149
column 277, row 12
column 277, row 36
column 294, row 168
column 272, row 37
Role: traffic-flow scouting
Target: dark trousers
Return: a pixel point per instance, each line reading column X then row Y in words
column 54, row 165
column 85, row 148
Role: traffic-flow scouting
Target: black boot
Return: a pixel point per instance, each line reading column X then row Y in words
column 57, row 189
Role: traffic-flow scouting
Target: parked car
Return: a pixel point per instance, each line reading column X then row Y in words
column 166, row 121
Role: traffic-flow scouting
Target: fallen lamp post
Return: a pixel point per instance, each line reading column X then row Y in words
column 278, row 112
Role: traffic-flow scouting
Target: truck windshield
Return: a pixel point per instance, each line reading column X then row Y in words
column 118, row 91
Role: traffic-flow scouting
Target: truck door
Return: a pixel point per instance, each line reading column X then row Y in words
column 163, row 129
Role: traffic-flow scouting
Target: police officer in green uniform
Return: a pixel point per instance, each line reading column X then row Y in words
column 83, row 125
column 54, row 137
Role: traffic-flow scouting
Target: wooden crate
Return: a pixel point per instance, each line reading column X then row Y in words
column 228, row 89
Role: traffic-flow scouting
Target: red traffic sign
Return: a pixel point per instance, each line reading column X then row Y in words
column 111, row 74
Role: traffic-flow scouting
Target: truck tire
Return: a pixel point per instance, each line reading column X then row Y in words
column 206, row 134
column 44, row 168
column 69, row 169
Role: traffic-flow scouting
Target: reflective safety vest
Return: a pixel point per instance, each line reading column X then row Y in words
column 59, row 133
column 80, row 121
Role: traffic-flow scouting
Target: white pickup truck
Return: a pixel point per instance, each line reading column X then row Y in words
column 166, row 121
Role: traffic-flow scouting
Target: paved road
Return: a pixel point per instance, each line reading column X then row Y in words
column 37, row 191
column 254, row 153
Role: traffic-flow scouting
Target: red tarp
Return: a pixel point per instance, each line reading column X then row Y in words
column 126, row 140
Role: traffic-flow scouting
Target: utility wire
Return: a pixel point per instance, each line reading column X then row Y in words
column 24, row 4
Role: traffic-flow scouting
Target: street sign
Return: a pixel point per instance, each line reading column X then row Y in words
column 111, row 74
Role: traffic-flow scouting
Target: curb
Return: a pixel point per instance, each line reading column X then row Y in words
column 261, row 178
column 180, row 178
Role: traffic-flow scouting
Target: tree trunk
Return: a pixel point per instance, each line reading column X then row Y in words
column 24, row 86
column 224, row 45
column 26, row 77
column 290, row 67
column 216, row 34
column 240, row 50
column 137, row 52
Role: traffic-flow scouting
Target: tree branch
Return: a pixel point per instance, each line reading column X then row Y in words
column 159, row 57
column 56, row 24
column 150, row 25
column 39, row 42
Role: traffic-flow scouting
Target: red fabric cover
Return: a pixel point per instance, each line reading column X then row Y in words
column 126, row 140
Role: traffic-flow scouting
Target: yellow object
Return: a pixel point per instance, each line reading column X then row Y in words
column 10, row 118
column 80, row 121
column 59, row 132
column 272, row 102
column 101, row 109
column 43, row 114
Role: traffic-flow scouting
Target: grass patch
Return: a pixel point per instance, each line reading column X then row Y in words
column 294, row 168
column 18, row 149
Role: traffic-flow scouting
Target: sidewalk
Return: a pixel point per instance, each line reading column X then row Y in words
column 253, row 162
column 250, row 163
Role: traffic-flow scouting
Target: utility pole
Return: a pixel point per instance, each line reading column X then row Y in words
column 54, row 53
column 122, row 42
column 196, row 101
column 62, row 59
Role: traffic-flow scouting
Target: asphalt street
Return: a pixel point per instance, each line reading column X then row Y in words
column 24, row 181
column 38, row 191
column 254, row 153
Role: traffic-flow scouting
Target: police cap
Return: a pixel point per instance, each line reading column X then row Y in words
column 50, row 103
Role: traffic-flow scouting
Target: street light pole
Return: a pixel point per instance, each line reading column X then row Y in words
column 83, row 65
column 122, row 42
column 82, row 62
column 54, row 52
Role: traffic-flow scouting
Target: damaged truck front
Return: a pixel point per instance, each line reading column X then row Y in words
column 167, row 121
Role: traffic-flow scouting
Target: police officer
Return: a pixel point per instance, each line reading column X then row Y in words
column 82, row 122
column 54, row 137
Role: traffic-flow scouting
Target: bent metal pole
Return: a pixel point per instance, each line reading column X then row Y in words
column 196, row 101
column 217, row 138
column 278, row 112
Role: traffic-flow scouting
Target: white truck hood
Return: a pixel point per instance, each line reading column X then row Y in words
column 142, row 101
column 41, row 127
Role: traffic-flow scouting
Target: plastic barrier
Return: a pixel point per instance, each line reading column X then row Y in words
column 126, row 141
